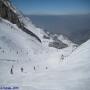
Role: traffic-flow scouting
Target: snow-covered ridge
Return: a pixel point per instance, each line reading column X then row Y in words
column 9, row 12
column 13, row 40
column 26, row 25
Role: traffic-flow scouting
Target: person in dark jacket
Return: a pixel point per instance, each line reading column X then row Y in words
column 21, row 69
column 34, row 68
column 11, row 71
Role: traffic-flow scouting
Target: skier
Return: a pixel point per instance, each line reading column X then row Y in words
column 11, row 71
column 3, row 51
column 62, row 57
column 46, row 67
column 34, row 68
column 17, row 52
column 21, row 69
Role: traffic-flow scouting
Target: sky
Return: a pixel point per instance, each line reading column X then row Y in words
column 53, row 7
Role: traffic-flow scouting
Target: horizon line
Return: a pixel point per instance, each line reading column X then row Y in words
column 55, row 14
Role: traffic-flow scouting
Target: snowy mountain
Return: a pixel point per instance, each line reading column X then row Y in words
column 15, row 43
column 32, row 59
column 12, row 14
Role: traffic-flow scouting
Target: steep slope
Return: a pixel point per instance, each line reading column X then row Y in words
column 9, row 12
column 15, row 43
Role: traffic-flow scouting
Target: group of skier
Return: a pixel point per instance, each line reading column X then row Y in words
column 12, row 69
column 22, row 69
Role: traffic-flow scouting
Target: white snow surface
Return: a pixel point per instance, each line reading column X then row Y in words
column 44, row 68
column 51, row 72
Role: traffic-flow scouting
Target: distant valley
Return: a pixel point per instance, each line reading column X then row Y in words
column 76, row 27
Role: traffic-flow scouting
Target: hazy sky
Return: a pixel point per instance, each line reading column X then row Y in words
column 53, row 7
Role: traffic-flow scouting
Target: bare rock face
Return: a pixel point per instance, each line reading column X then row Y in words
column 7, row 13
column 58, row 44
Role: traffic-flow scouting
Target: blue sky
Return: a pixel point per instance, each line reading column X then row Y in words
column 53, row 7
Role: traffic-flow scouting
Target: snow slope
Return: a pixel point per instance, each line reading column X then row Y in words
column 44, row 67
column 72, row 74
column 51, row 72
column 15, row 43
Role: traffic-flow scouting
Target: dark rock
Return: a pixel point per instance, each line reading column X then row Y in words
column 58, row 44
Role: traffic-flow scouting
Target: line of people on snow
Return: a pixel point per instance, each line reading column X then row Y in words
column 22, row 69
column 12, row 69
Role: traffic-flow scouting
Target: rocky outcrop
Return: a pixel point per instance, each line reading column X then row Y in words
column 8, row 13
column 58, row 44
